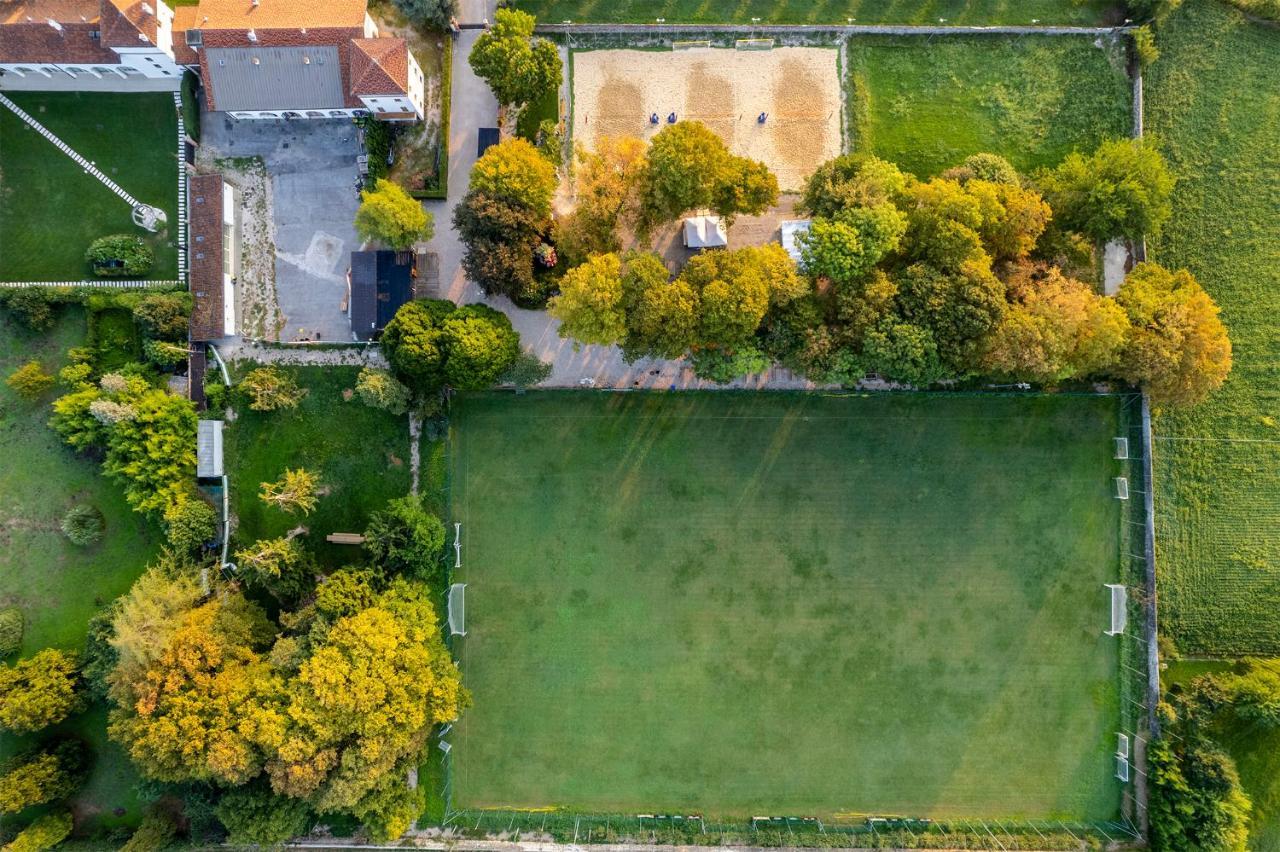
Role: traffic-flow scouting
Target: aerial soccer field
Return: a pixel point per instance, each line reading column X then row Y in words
column 787, row 604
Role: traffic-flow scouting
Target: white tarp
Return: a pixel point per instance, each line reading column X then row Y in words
column 705, row 232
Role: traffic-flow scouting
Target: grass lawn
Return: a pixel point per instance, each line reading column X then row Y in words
column 1081, row 12
column 361, row 455
column 787, row 604
column 50, row 210
column 1213, row 98
column 59, row 586
column 926, row 104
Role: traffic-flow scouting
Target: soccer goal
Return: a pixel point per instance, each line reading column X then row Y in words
column 1122, row 488
column 458, row 609
column 1119, row 608
column 690, row 45
column 753, row 44
column 1122, row 448
column 457, row 545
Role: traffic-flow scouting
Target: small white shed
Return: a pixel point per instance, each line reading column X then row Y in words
column 702, row 232
column 208, row 449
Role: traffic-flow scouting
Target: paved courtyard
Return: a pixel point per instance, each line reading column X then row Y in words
column 312, row 165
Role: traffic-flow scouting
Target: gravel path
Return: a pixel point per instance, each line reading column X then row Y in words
column 308, row 356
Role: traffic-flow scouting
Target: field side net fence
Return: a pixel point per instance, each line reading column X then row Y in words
column 864, row 832
column 1136, row 643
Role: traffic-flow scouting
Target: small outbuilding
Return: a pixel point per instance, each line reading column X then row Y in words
column 209, row 449
column 380, row 282
column 704, row 232
column 792, row 230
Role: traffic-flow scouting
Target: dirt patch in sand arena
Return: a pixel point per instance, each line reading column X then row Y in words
column 615, row 92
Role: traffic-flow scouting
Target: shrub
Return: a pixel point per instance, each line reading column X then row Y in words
column 32, row 307
column 39, row 691
column 380, row 389
column 119, row 255
column 190, row 523
column 404, row 538
column 255, row 815
column 41, row 775
column 45, row 833
column 163, row 316
column 154, row 834
column 526, row 371
column 270, row 389
column 163, row 353
column 30, row 381
column 1144, row 45
column 389, row 215
column 434, row 14
column 10, row 630
column 83, row 525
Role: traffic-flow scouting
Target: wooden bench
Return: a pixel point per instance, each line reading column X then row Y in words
column 344, row 538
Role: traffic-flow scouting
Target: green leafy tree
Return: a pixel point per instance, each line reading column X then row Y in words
column 163, row 316
column 662, row 315
column 605, row 181
column 404, row 538
column 255, row 816
column 723, row 365
column 518, row 67
column 156, row 833
column 852, row 180
column 379, row 389
column 433, row 14
column 45, row 833
column 902, row 352
column 850, row 245
column 271, row 389
column 295, row 491
column 481, row 344
column 43, row 775
column 959, row 309
column 689, row 168
column 32, row 307
column 30, row 381
column 190, row 524
column 153, row 454
column 989, row 167
column 1120, row 190
column 270, row 557
column 415, row 345
column 500, row 237
column 1196, row 800
column 11, row 625
column 39, row 691
column 389, row 215
column 589, row 306
column 390, row 809
column 514, row 172
column 1178, row 349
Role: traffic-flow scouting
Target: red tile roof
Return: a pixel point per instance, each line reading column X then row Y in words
column 37, row 43
column 128, row 23
column 379, row 66
column 184, row 18
column 280, row 14
column 204, row 253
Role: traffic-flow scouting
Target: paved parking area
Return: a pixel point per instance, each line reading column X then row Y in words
column 312, row 165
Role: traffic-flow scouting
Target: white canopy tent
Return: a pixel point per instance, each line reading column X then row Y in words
column 702, row 232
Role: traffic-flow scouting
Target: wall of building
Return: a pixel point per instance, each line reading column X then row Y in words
column 417, row 87
column 312, row 114
column 390, row 107
column 44, row 77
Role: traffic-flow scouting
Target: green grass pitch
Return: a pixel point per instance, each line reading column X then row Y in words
column 787, row 604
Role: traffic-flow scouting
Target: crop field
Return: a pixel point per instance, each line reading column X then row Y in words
column 798, row 88
column 787, row 604
column 1213, row 99
column 50, row 210
column 1079, row 12
column 927, row 103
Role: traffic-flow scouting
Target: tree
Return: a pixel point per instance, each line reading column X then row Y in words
column 958, row 308
column 1057, row 328
column 11, row 625
column 433, row 14
column 404, row 538
column 689, row 168
column 190, row 524
column 903, row 352
column 153, row 454
column 518, row 67
column 1120, row 190
column 254, row 816
column 30, row 381
column 32, row 307
column 43, row 775
column 943, row 224
column 163, row 316
column 850, row 245
column 390, row 809
column 480, row 345
column 270, row 557
column 45, row 833
column 589, row 306
column 293, row 492
column 1013, row 218
column 389, row 215
column 1197, row 802
column 120, row 256
column 1178, row 349
column 379, row 389
column 989, row 167
column 723, row 365
column 270, row 389
column 500, row 238
column 514, row 172
column 662, row 315
column 733, row 296
column 39, row 691
column 605, row 181
column 155, row 834
column 415, row 345
column 852, row 180
column 83, row 525
column 142, row 622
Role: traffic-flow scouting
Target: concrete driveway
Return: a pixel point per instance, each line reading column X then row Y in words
column 312, row 165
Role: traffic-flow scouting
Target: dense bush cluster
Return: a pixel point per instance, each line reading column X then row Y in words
column 119, row 255
column 432, row 343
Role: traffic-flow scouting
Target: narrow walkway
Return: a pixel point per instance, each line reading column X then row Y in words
column 66, row 149
column 753, row 30
column 237, row 349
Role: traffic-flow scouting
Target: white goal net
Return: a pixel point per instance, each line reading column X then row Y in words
column 754, row 44
column 458, row 609
column 689, row 45
column 1119, row 608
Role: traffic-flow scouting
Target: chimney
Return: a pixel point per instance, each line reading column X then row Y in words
column 146, row 7
column 253, row 36
column 57, row 26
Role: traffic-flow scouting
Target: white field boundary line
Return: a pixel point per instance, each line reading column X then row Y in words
column 130, row 284
column 182, row 187
column 837, row 29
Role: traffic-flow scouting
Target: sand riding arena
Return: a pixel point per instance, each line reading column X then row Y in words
column 616, row 92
